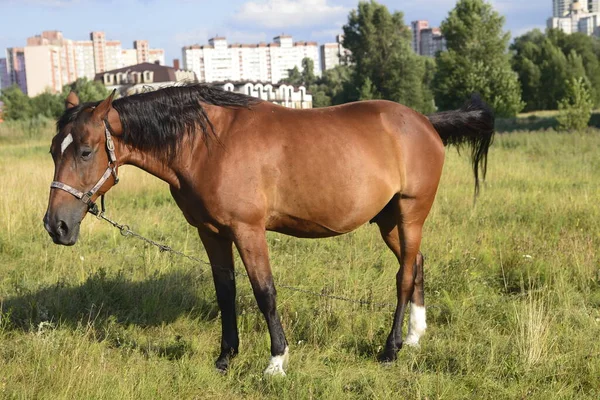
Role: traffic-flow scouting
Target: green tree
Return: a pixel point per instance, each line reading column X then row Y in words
column 16, row 104
column 86, row 90
column 545, row 63
column 367, row 91
column 48, row 105
column 333, row 87
column 476, row 60
column 380, row 43
column 576, row 107
column 308, row 71
column 294, row 77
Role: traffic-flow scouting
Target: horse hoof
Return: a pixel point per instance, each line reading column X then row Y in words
column 222, row 365
column 412, row 342
column 388, row 356
column 278, row 364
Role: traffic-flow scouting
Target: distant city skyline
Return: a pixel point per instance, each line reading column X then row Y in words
column 176, row 23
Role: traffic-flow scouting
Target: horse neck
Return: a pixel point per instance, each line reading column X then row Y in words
column 148, row 162
column 193, row 147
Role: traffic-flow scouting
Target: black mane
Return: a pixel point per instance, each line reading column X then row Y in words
column 157, row 121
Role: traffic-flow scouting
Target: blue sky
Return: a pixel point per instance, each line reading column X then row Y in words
column 171, row 24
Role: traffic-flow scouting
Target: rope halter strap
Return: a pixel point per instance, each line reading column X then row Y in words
column 86, row 197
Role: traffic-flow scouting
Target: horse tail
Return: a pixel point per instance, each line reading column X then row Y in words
column 472, row 125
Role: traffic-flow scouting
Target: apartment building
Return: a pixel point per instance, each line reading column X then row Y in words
column 49, row 61
column 334, row 54
column 15, row 68
column 561, row 8
column 578, row 19
column 219, row 61
column 426, row 40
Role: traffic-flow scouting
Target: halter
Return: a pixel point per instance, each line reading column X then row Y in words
column 110, row 170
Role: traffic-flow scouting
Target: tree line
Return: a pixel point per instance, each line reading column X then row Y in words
column 538, row 71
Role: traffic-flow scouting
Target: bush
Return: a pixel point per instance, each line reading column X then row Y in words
column 575, row 109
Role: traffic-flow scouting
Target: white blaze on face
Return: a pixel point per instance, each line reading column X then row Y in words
column 65, row 143
column 416, row 325
column 278, row 364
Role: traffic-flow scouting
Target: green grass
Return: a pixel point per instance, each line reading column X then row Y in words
column 512, row 285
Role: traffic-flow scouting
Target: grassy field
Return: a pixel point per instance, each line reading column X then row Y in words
column 512, row 288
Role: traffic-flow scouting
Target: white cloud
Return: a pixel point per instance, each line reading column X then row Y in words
column 276, row 14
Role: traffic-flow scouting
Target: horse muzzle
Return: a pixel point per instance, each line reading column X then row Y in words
column 64, row 231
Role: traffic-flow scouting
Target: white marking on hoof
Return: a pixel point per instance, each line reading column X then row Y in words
column 278, row 364
column 416, row 325
column 65, row 143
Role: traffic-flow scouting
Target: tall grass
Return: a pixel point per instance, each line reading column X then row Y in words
column 512, row 287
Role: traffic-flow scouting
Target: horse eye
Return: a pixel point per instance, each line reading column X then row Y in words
column 85, row 154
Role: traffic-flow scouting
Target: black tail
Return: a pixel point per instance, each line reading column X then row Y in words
column 472, row 124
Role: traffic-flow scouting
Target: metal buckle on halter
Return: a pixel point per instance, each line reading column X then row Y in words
column 87, row 198
column 93, row 209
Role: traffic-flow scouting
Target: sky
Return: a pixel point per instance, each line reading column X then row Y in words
column 172, row 24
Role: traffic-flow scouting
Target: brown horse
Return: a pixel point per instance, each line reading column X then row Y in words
column 238, row 167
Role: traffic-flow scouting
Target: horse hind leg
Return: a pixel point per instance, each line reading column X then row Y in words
column 417, row 322
column 401, row 225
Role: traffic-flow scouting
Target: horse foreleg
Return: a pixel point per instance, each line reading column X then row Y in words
column 220, row 254
column 252, row 245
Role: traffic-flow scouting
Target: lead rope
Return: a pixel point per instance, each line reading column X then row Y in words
column 126, row 231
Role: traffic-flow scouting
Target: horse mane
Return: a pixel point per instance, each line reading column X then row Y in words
column 157, row 121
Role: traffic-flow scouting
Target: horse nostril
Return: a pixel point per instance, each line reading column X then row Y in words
column 62, row 229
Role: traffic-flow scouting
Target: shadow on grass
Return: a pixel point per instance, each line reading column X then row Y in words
column 536, row 122
column 103, row 299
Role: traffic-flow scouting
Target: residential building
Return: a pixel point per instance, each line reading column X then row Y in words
column 128, row 57
column 426, row 40
column 15, row 67
column 4, row 82
column 416, row 28
column 218, row 61
column 432, row 41
column 285, row 95
column 561, row 8
column 143, row 77
column 142, row 49
column 334, row 54
column 99, row 45
column 50, row 61
column 84, row 59
column 578, row 19
column 156, row 56
column 46, row 69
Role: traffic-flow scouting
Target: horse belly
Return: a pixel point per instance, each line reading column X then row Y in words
column 331, row 204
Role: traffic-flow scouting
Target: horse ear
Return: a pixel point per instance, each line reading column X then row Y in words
column 72, row 100
column 101, row 111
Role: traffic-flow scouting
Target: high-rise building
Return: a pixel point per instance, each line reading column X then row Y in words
column 99, row 45
column 50, row 61
column 426, row 41
column 142, row 50
column 128, row 57
column 578, row 19
column 156, row 56
column 4, row 82
column 333, row 54
column 416, row 28
column 561, row 8
column 218, row 61
column 15, row 67
column 432, row 41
